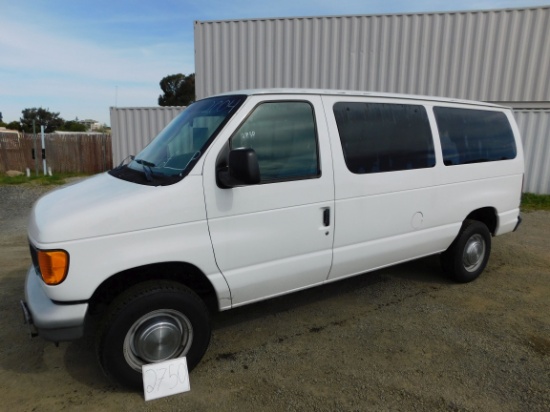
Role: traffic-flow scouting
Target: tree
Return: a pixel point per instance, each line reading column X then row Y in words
column 42, row 117
column 73, row 126
column 13, row 126
column 179, row 90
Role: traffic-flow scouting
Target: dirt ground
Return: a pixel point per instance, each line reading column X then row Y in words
column 399, row 339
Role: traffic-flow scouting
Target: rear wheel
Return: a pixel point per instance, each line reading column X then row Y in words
column 152, row 322
column 467, row 256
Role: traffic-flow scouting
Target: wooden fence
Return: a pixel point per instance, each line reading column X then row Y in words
column 65, row 153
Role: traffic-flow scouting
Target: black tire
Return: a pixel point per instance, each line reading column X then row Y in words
column 467, row 256
column 151, row 310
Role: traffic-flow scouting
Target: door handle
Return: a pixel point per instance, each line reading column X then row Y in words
column 326, row 216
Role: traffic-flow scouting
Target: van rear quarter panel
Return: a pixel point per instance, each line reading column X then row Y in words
column 387, row 218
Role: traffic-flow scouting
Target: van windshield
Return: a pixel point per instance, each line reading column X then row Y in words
column 176, row 149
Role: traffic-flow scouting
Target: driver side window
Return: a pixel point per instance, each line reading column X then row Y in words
column 284, row 137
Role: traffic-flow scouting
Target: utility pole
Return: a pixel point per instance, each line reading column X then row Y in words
column 43, row 149
column 35, row 148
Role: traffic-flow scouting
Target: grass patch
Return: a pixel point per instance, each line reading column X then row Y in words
column 531, row 201
column 56, row 179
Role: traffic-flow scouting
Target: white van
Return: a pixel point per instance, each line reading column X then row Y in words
column 254, row 194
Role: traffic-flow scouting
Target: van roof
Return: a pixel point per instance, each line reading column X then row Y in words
column 357, row 93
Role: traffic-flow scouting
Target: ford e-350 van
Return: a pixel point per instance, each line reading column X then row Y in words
column 254, row 194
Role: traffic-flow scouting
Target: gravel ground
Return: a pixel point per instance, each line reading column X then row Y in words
column 399, row 339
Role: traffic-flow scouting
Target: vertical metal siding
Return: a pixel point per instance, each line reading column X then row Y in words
column 534, row 126
column 497, row 55
column 134, row 127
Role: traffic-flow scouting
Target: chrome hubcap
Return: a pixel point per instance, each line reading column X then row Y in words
column 474, row 252
column 157, row 336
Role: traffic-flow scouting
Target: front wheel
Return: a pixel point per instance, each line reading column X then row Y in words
column 467, row 256
column 152, row 322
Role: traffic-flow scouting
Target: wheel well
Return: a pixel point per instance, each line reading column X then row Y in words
column 184, row 273
column 486, row 215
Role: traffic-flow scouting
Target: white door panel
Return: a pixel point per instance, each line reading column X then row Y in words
column 272, row 238
column 275, row 234
column 382, row 217
column 267, row 253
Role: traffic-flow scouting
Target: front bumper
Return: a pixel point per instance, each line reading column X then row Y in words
column 52, row 321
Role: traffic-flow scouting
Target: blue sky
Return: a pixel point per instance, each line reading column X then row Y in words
column 80, row 57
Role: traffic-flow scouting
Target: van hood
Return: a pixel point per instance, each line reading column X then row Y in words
column 104, row 205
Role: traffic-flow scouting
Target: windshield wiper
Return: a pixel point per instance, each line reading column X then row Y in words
column 146, row 168
column 121, row 165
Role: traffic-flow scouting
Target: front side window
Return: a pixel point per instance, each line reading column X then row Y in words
column 382, row 137
column 284, row 137
column 172, row 154
column 474, row 136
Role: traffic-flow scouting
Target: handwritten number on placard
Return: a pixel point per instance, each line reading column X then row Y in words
column 165, row 378
column 176, row 375
column 174, row 379
column 149, row 388
column 182, row 373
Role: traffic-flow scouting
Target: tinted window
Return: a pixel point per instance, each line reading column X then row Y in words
column 284, row 138
column 473, row 136
column 381, row 137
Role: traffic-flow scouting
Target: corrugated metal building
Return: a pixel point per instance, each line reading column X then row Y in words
column 500, row 56
column 134, row 127
column 535, row 131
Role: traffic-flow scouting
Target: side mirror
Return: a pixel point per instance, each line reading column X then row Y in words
column 242, row 169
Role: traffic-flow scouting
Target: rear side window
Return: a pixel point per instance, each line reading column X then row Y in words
column 474, row 136
column 382, row 137
column 284, row 137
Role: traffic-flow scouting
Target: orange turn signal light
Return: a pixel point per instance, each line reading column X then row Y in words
column 54, row 265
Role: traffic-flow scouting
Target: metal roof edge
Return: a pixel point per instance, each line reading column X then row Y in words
column 508, row 9
column 355, row 93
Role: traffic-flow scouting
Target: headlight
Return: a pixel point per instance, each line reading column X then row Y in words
column 54, row 266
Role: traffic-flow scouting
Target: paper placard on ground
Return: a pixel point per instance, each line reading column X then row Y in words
column 165, row 378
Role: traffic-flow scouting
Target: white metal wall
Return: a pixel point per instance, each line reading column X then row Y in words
column 534, row 126
column 498, row 55
column 134, row 127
